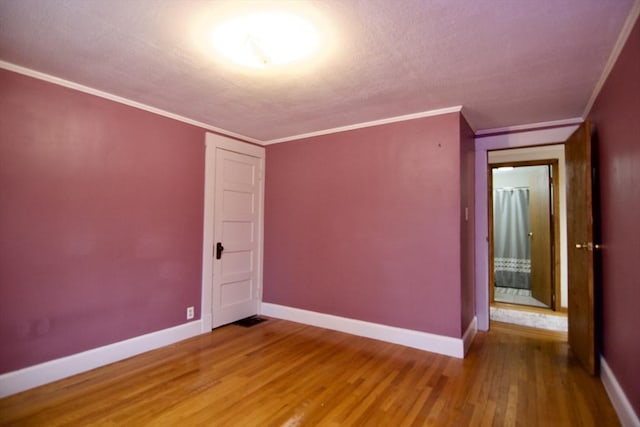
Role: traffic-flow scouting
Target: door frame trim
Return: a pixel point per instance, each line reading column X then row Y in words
column 483, row 144
column 212, row 143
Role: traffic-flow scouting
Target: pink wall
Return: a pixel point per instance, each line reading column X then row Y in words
column 365, row 224
column 467, row 227
column 616, row 116
column 101, row 221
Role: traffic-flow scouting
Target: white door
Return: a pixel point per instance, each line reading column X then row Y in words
column 236, row 256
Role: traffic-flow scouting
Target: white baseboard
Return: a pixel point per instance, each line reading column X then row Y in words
column 470, row 334
column 448, row 346
column 628, row 418
column 206, row 322
column 43, row 373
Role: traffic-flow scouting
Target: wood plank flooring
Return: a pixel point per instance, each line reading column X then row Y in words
column 280, row 373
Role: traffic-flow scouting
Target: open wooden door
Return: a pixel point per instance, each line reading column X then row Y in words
column 540, row 235
column 580, row 247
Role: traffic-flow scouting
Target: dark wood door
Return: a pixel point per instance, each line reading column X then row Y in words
column 580, row 247
column 540, row 234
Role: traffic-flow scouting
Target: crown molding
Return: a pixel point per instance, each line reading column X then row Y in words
column 92, row 91
column 530, row 126
column 464, row 113
column 395, row 119
column 115, row 98
column 615, row 53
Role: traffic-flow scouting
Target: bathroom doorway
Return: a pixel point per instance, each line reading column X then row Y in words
column 524, row 234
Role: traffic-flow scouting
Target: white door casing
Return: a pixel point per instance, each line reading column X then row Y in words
column 483, row 144
column 233, row 216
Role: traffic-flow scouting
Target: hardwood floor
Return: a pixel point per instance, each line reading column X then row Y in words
column 279, row 373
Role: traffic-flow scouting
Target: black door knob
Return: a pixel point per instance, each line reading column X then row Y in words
column 219, row 249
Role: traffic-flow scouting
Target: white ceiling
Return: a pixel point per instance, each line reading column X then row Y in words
column 507, row 62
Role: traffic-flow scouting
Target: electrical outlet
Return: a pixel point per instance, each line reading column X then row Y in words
column 190, row 313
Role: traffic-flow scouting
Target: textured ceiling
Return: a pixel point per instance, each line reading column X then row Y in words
column 507, row 62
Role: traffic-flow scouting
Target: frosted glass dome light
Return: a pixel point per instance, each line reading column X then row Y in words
column 266, row 39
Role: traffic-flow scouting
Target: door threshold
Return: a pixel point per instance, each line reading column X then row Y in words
column 530, row 308
column 541, row 319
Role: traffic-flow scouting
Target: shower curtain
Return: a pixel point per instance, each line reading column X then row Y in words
column 512, row 248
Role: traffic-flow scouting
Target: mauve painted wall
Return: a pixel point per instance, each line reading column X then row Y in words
column 467, row 226
column 100, row 221
column 616, row 116
column 365, row 224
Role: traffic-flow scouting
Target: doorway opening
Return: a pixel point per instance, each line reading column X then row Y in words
column 524, row 229
column 524, row 211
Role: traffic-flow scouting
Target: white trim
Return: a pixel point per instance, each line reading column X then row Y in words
column 615, row 53
column 115, row 98
column 481, row 239
column 213, row 141
column 448, row 346
column 388, row 120
column 86, row 89
column 464, row 115
column 525, row 139
column 628, row 418
column 470, row 334
column 531, row 126
column 483, row 145
column 221, row 141
column 43, row 373
column 207, row 235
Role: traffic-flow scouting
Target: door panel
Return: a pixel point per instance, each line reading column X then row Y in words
column 235, row 293
column 237, row 213
column 237, row 262
column 540, row 235
column 580, row 247
column 237, row 231
column 237, row 202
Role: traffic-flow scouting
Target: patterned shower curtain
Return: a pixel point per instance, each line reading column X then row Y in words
column 512, row 248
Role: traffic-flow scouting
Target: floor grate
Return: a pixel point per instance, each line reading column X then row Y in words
column 250, row 321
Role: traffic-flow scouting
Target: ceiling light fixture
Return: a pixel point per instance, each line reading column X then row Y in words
column 266, row 39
